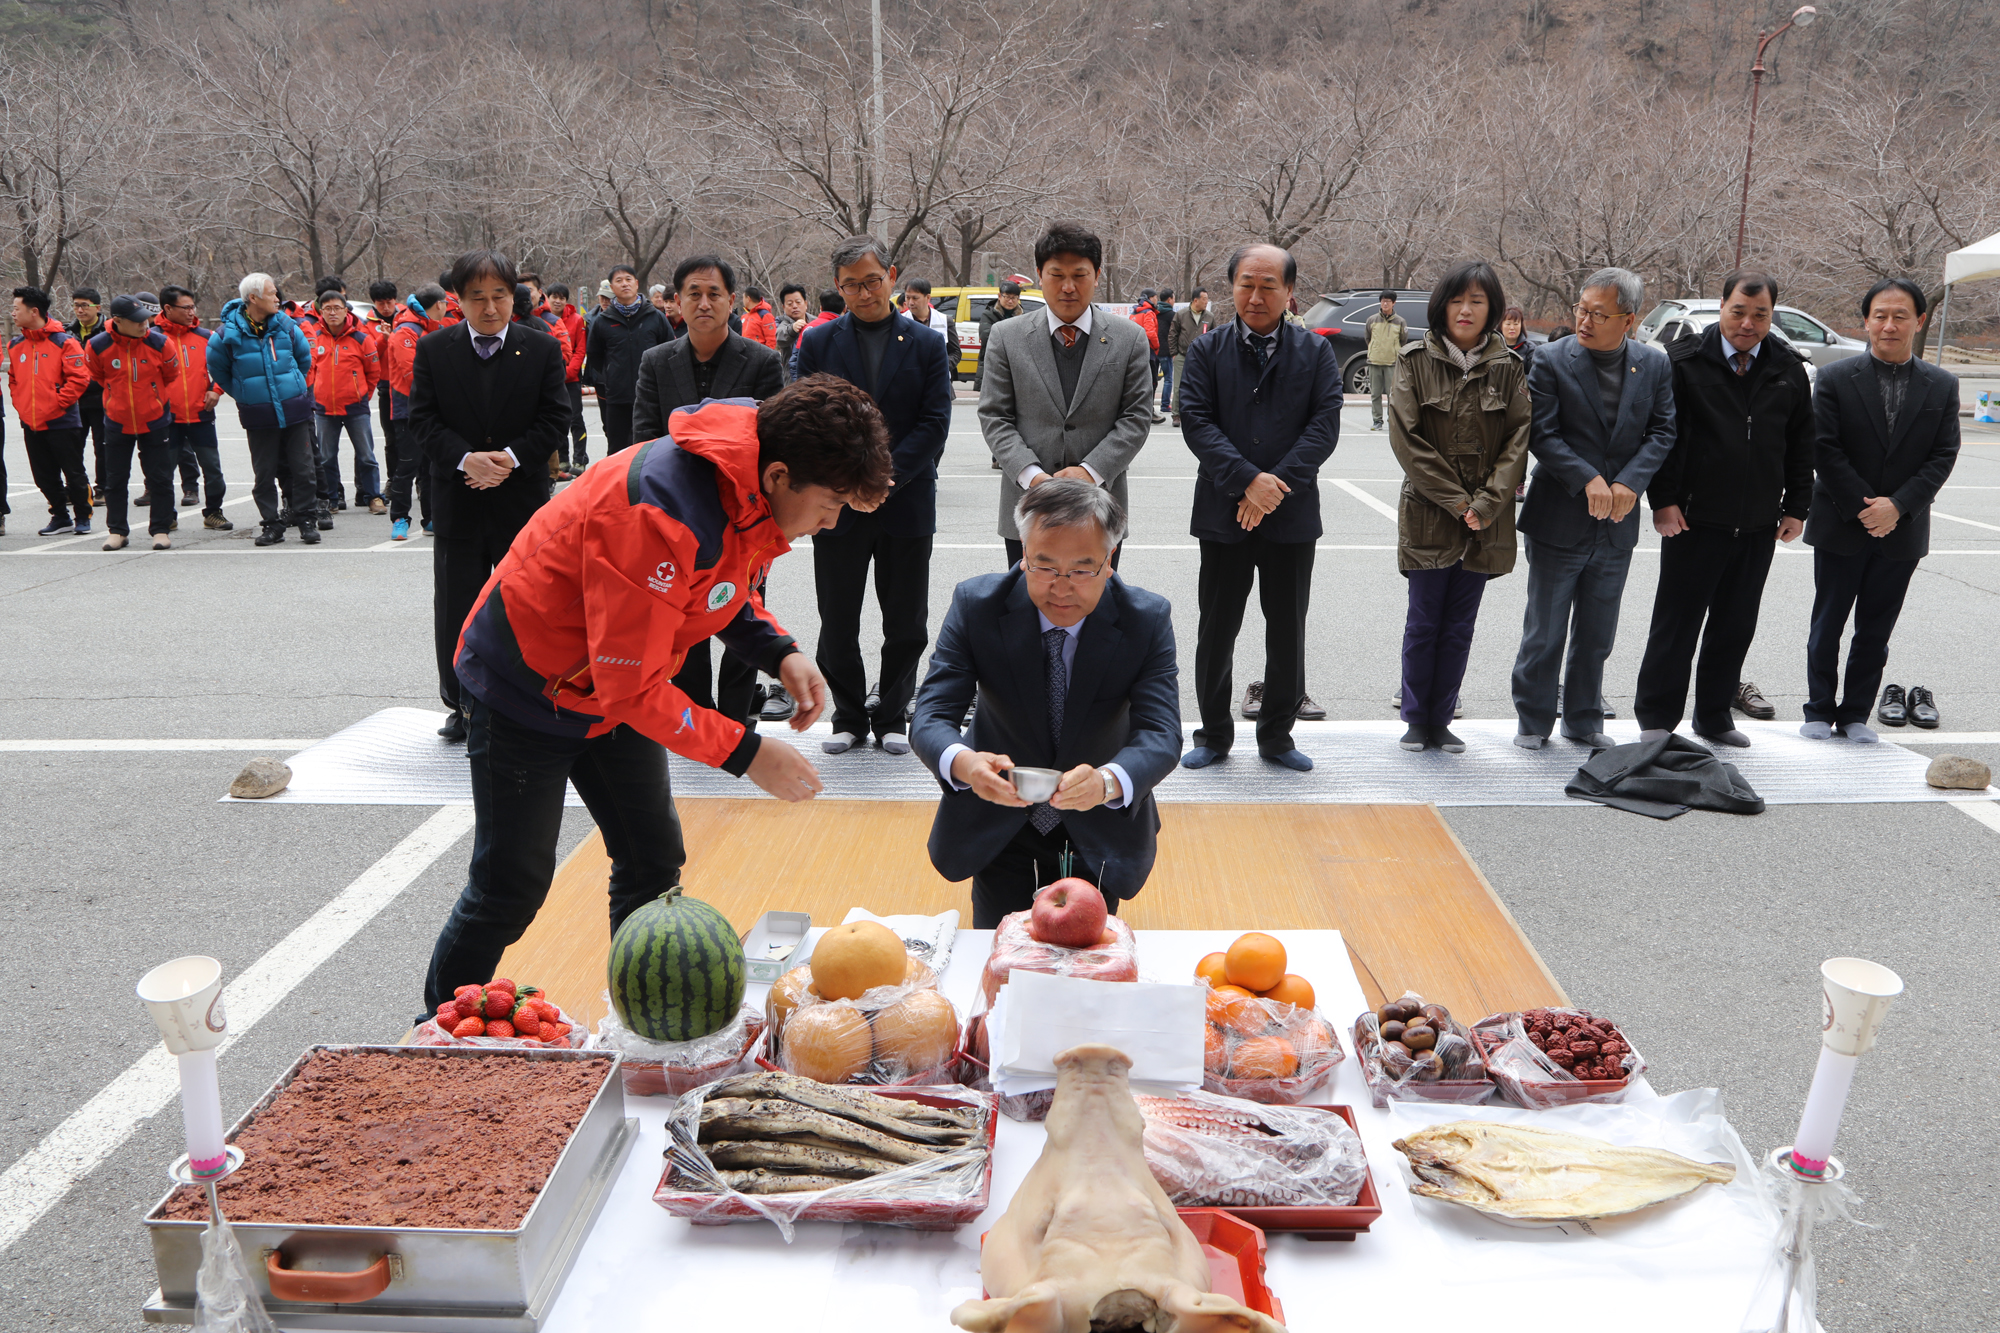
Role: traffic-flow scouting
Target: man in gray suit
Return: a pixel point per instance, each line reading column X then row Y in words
column 1603, row 424
column 1066, row 394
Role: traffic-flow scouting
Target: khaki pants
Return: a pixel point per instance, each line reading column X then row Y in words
column 1180, row 364
column 1378, row 389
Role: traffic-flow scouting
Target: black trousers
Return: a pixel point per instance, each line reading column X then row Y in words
column 579, row 451
column 1029, row 862
column 617, row 419
column 1872, row 588
column 902, row 589
column 200, row 460
column 517, row 800
column 93, row 426
column 1283, row 574
column 284, row 457
column 731, row 691
column 55, row 460
column 1711, row 585
column 156, row 464
column 460, row 567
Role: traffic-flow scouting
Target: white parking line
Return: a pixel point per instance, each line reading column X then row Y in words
column 1969, row 522
column 40, row 1177
column 1384, row 510
column 1986, row 812
column 106, row 746
column 101, row 532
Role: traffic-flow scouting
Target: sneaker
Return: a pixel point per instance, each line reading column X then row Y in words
column 838, row 743
column 325, row 520
column 82, row 527
column 1253, row 700
column 161, row 541
column 1750, row 702
column 1310, row 711
column 57, row 527
column 189, row 499
column 1396, row 699
column 1923, row 708
column 271, row 534
column 1159, row 418
column 310, row 534
column 115, row 542
column 1893, row 710
column 1416, row 738
column 1443, row 738
column 427, row 526
column 337, row 505
column 96, row 497
column 893, row 742
column 217, row 523
column 399, row 531
column 779, row 706
column 378, row 506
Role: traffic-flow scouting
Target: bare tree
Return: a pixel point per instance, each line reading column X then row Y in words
column 68, row 128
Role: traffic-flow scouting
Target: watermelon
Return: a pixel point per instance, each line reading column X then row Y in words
column 676, row 969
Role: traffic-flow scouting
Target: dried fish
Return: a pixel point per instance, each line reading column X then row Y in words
column 777, row 1182
column 735, row 1118
column 796, row 1157
column 1546, row 1175
column 911, row 1120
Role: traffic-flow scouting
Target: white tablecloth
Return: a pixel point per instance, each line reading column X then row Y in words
column 1687, row 1265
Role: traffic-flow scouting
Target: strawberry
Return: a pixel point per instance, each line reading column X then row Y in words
column 527, row 1025
column 467, row 996
column 499, row 1027
column 499, row 1003
column 470, row 1027
column 560, row 1030
column 448, row 1014
column 549, row 1013
column 502, row 983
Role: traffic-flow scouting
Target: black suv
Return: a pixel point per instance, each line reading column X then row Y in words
column 1341, row 316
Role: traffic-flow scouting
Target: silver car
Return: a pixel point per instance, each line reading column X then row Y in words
column 1806, row 335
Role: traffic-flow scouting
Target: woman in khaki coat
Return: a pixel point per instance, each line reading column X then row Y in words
column 1458, row 421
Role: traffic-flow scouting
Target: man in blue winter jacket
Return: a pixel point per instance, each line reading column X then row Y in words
column 260, row 358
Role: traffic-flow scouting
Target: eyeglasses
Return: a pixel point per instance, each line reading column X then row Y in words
column 1584, row 314
column 870, row 284
column 1049, row 574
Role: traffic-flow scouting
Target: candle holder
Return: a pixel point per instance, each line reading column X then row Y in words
column 1787, row 1298
column 226, row 1296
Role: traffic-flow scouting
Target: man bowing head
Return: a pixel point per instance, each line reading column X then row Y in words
column 1074, row 670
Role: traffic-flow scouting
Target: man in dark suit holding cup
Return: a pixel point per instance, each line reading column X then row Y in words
column 1075, row 671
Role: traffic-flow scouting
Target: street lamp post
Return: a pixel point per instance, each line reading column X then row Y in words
column 1802, row 17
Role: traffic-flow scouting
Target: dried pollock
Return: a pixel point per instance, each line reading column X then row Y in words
column 1546, row 1175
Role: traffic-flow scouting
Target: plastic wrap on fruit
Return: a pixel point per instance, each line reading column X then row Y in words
column 496, row 1016
column 1417, row 1051
column 1221, row 1152
column 1267, row 1050
column 1020, row 941
column 1539, row 1057
column 658, row 1068
column 905, row 1034
column 778, row 1145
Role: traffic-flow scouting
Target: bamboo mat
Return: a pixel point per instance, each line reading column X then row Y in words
column 1413, row 908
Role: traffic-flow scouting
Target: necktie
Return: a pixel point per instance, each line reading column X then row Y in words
column 1069, row 334
column 1261, row 344
column 1742, row 360
column 1045, row 817
column 486, row 344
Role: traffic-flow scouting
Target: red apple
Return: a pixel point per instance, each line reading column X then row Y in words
column 1069, row 912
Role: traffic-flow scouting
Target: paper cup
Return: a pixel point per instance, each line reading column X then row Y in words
column 185, row 999
column 1857, row 994
column 1035, row 784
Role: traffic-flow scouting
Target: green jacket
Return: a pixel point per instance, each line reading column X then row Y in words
column 1385, row 338
column 1462, row 439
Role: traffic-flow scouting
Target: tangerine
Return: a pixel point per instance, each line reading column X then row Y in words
column 852, row 959
column 1215, row 1055
column 1263, row 1057
column 1291, row 989
column 1242, row 1013
column 827, row 1042
column 1210, row 969
column 1256, row 962
column 1313, row 1040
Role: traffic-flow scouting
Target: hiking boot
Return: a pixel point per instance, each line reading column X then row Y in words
column 1750, row 702
column 217, row 523
column 189, row 499
column 378, row 506
column 309, row 534
column 324, row 519
column 271, row 534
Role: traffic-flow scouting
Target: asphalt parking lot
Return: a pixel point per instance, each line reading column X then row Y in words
column 1700, row 936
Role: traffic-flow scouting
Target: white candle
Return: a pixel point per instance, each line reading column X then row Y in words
column 1813, row 1144
column 201, row 1112
column 1855, row 996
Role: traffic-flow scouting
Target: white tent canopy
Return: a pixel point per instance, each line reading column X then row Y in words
column 1978, row 260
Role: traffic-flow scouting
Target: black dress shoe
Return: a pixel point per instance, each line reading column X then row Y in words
column 1894, row 710
column 1750, row 702
column 1923, row 708
column 453, row 730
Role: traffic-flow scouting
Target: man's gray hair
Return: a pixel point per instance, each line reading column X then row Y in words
column 253, row 285
column 428, row 295
column 857, row 248
column 1062, row 502
column 1631, row 288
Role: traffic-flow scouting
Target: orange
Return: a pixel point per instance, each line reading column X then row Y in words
column 1210, row 970
column 1313, row 1039
column 915, row 1035
column 855, row 958
column 1216, row 1056
column 827, row 1042
column 1263, row 1057
column 1291, row 989
column 788, row 992
column 1256, row 962
column 1239, row 1011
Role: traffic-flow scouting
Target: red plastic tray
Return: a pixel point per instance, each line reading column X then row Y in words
column 653, row 1078
column 1235, row 1253
column 1541, row 1094
column 917, row 1214
column 1317, row 1223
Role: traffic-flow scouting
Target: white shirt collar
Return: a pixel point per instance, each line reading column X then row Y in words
column 1082, row 321
column 1730, row 349
column 1047, row 625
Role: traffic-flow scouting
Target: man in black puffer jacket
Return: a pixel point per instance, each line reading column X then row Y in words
column 1739, row 480
column 621, row 333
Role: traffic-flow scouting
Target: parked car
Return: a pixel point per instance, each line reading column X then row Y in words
column 1342, row 316
column 1806, row 335
column 965, row 305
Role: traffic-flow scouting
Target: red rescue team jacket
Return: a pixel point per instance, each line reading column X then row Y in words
column 189, row 392
column 344, row 370
column 47, row 373
column 137, row 375
column 577, row 331
column 760, row 325
column 590, row 613
column 402, row 358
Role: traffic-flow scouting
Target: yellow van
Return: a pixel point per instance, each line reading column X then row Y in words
column 965, row 305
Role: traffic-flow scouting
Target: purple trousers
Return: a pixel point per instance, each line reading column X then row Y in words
column 1437, row 638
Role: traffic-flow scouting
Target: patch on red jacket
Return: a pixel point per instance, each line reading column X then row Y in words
column 662, row 579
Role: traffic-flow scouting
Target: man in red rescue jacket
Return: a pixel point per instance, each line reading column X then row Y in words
column 344, row 373
column 566, row 663
column 576, row 331
column 193, row 398
column 47, row 373
column 422, row 313
column 136, row 366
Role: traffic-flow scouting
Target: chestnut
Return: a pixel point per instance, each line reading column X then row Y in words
column 1407, row 1009
column 1420, row 1037
column 1395, row 1057
column 1439, row 1016
column 1393, row 1030
column 1427, row 1067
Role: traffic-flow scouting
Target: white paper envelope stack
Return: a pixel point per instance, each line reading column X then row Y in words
column 1036, row 1017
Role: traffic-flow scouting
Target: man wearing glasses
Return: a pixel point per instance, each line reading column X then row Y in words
column 902, row 366
column 193, row 397
column 1075, row 671
column 1603, row 425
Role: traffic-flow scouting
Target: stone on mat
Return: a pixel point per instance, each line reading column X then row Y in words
column 1955, row 770
column 261, row 778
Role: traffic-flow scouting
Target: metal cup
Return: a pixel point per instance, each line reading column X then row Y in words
column 185, row 999
column 1857, row 994
column 1035, row 785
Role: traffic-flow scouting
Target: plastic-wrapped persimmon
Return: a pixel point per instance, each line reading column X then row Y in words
column 1269, row 1051
column 828, row 1042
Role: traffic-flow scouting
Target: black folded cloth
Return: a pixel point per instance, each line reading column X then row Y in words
column 1663, row 778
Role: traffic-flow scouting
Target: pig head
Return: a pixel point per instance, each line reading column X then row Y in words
column 1090, row 1241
